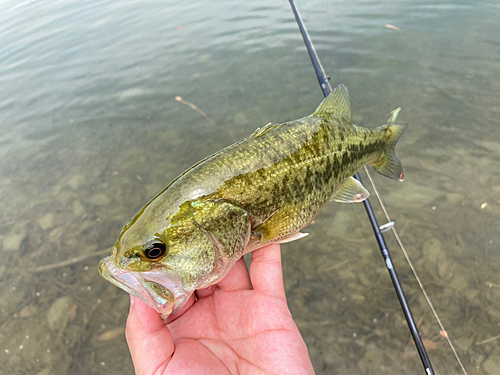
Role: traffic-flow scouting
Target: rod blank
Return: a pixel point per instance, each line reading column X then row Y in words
column 323, row 82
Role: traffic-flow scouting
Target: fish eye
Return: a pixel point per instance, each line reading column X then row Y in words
column 155, row 250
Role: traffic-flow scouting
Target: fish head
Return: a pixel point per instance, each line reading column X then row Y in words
column 139, row 270
column 163, row 262
column 163, row 255
column 158, row 288
column 140, row 264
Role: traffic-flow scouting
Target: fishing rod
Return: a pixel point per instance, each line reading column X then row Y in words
column 325, row 87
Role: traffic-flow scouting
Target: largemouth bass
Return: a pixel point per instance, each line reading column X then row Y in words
column 261, row 190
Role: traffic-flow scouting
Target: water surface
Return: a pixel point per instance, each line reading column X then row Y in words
column 90, row 130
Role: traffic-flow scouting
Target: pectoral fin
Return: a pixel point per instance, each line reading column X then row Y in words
column 278, row 225
column 350, row 192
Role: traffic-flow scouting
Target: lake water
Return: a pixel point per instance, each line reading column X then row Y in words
column 90, row 130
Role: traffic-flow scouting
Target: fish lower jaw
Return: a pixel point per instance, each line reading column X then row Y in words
column 158, row 289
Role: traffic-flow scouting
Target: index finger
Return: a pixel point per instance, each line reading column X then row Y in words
column 266, row 272
column 148, row 337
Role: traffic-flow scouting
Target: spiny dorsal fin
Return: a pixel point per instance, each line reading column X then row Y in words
column 352, row 191
column 261, row 131
column 336, row 105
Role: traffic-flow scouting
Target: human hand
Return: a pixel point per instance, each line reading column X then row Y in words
column 241, row 325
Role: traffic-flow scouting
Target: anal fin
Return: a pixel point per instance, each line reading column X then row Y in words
column 296, row 236
column 351, row 191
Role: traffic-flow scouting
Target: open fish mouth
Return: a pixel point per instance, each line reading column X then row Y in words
column 156, row 288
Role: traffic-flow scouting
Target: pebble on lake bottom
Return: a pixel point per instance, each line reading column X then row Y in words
column 58, row 313
column 492, row 365
column 12, row 242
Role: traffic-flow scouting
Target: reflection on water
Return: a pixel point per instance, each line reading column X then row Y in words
column 90, row 130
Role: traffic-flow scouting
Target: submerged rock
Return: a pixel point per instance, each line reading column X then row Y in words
column 342, row 224
column 100, row 200
column 471, row 294
column 241, row 119
column 58, row 313
column 76, row 181
column 432, row 250
column 493, row 313
column 27, row 311
column 45, row 371
column 455, row 198
column 111, row 335
column 371, row 361
column 358, row 298
column 492, row 365
column 78, row 208
column 12, row 242
column 413, row 195
column 47, row 221
column 463, row 343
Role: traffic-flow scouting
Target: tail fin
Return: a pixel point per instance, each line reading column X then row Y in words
column 389, row 164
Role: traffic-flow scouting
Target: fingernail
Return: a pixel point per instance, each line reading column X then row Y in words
column 132, row 300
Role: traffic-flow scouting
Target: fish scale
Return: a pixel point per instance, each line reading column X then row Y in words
column 303, row 181
column 263, row 189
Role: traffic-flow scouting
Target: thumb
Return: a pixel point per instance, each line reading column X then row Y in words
column 149, row 339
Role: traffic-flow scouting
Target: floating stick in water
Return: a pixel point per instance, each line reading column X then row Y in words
column 201, row 112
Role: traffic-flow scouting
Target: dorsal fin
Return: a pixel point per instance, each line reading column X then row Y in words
column 261, row 131
column 336, row 105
